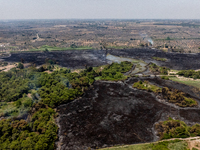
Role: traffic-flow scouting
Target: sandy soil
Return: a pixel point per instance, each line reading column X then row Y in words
column 10, row 66
column 7, row 68
column 193, row 143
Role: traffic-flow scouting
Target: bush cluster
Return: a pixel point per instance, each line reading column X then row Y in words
column 190, row 74
column 176, row 129
column 172, row 95
column 115, row 71
column 165, row 77
column 177, row 97
column 157, row 69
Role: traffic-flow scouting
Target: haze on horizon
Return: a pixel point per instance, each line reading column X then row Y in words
column 99, row 9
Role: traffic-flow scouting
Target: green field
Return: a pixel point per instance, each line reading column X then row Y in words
column 165, row 145
column 54, row 48
column 195, row 83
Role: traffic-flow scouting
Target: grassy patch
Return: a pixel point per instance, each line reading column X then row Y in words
column 117, row 47
column 14, row 109
column 195, row 83
column 99, row 68
column 147, row 86
column 52, row 48
column 165, row 145
column 159, row 59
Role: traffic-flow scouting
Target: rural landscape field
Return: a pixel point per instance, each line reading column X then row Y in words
column 100, row 75
column 100, row 84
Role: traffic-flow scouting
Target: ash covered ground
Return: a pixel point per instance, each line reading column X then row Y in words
column 176, row 61
column 78, row 59
column 114, row 113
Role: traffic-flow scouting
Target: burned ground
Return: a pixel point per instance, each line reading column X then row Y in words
column 113, row 113
column 71, row 59
column 79, row 58
column 175, row 60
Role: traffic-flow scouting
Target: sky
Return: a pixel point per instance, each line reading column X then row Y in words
column 99, row 9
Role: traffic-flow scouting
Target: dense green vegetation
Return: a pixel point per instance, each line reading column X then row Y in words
column 55, row 87
column 52, row 87
column 171, row 95
column 157, row 69
column 115, row 71
column 164, row 145
column 176, row 129
column 159, row 59
column 40, row 133
column 190, row 74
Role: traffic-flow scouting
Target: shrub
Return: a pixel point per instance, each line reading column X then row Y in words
column 171, row 95
column 20, row 66
column 165, row 77
column 176, row 129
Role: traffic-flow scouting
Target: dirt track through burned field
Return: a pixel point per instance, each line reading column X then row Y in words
column 114, row 113
column 78, row 59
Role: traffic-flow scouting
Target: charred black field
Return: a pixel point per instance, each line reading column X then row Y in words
column 114, row 113
column 80, row 58
column 176, row 61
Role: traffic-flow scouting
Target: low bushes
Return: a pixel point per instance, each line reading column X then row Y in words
column 171, row 95
column 157, row 69
column 177, row 97
column 190, row 74
column 176, row 129
column 165, row 77
column 147, row 86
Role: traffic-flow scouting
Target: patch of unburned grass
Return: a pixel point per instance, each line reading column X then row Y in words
column 195, row 83
column 54, row 48
column 100, row 68
column 51, row 48
column 159, row 59
column 146, row 86
column 165, row 145
column 14, row 109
